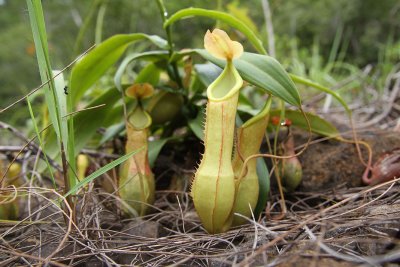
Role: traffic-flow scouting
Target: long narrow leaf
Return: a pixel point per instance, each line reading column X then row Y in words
column 66, row 124
column 59, row 86
column 220, row 16
column 310, row 83
column 36, row 18
column 101, row 171
column 55, row 100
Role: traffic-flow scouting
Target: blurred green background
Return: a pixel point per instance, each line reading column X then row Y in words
column 358, row 32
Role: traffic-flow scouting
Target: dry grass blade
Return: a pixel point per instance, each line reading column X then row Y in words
column 351, row 225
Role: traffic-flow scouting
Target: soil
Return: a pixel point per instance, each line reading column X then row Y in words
column 332, row 220
column 329, row 164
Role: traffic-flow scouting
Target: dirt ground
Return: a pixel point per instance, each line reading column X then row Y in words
column 330, row 163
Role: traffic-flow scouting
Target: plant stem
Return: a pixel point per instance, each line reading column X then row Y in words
column 164, row 17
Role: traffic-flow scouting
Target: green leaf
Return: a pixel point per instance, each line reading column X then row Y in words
column 155, row 149
column 149, row 74
column 66, row 124
column 42, row 53
column 318, row 124
column 116, row 114
column 152, row 55
column 112, row 131
column 87, row 122
column 55, row 100
column 90, row 68
column 62, row 102
column 310, row 83
column 197, row 124
column 101, row 171
column 264, row 187
column 264, row 72
column 221, row 16
column 207, row 72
